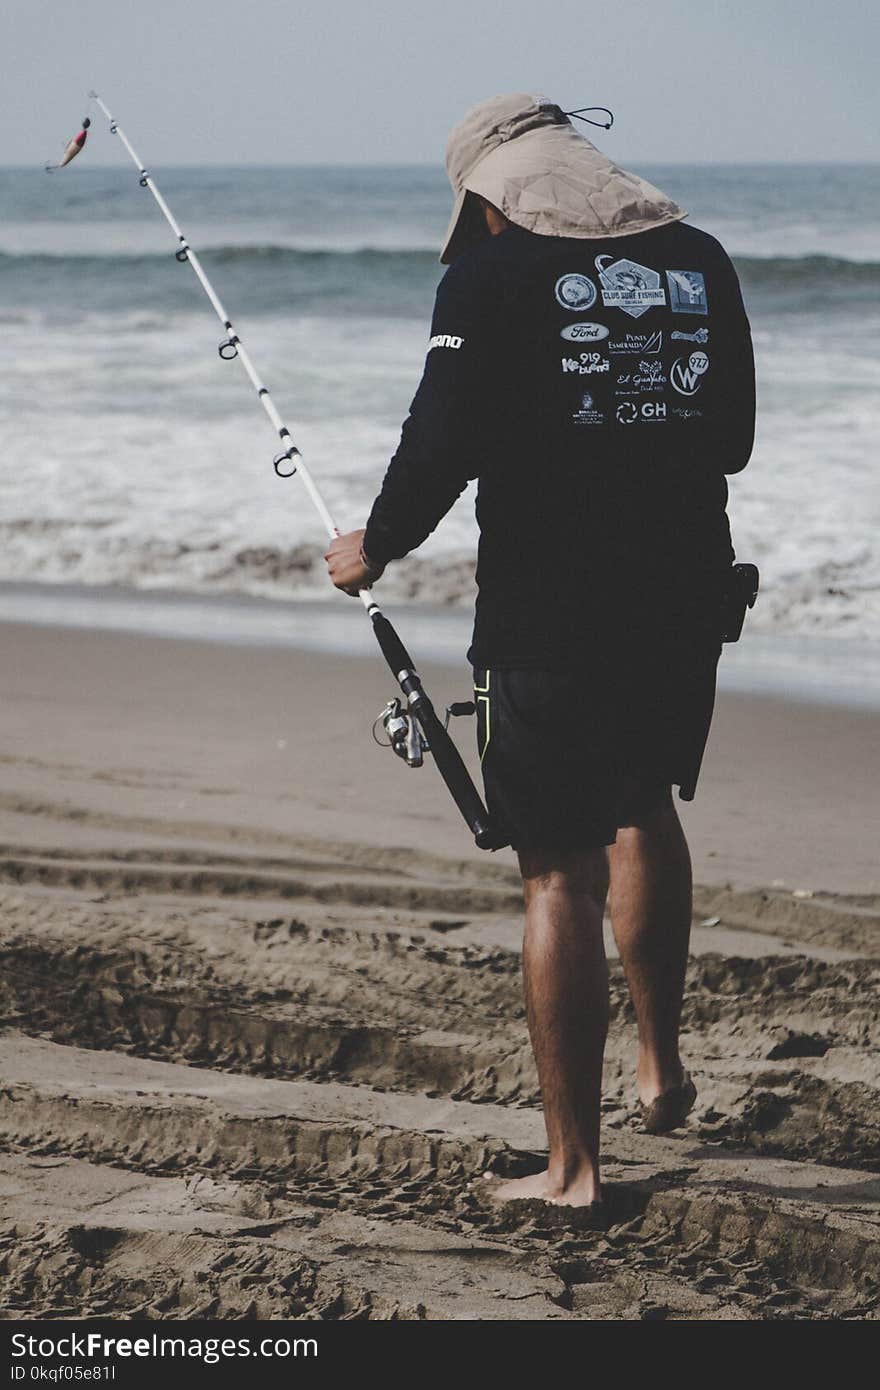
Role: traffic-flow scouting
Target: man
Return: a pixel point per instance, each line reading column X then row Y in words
column 590, row 364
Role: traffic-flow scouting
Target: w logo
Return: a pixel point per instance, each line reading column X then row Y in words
column 687, row 375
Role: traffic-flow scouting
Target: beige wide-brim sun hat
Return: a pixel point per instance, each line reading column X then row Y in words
column 523, row 154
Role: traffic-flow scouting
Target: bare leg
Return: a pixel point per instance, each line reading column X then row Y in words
column 565, row 977
column 651, row 915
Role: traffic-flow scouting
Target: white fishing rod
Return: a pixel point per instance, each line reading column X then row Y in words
column 415, row 729
column 290, row 461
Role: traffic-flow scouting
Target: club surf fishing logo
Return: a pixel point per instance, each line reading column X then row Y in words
column 687, row 375
column 687, row 292
column 629, row 286
column 575, row 291
column 584, row 332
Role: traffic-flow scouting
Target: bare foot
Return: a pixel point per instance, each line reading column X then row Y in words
column 669, row 1109
column 654, row 1081
column 582, row 1191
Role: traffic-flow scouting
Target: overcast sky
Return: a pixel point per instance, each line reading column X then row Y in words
column 366, row 81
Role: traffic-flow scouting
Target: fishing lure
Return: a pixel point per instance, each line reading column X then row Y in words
column 72, row 148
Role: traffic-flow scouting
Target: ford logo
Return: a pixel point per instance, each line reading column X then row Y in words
column 584, row 333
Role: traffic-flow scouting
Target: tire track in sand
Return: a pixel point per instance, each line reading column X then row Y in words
column 190, row 954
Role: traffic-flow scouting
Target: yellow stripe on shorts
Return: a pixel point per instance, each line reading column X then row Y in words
column 481, row 693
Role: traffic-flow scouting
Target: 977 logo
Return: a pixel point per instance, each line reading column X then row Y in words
column 687, row 377
column 586, row 363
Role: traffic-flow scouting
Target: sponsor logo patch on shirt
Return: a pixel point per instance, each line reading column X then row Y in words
column 584, row 332
column 687, row 376
column 629, row 286
column 641, row 343
column 629, row 412
column 450, row 340
column 587, row 414
column 575, row 291
column 687, row 292
column 649, row 376
column 586, row 363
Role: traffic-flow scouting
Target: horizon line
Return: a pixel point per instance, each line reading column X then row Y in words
column 435, row 165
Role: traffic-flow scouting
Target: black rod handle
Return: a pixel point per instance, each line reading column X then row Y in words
column 393, row 650
column 451, row 767
column 447, row 757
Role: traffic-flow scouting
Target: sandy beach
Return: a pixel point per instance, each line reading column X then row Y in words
column 263, row 1025
column 262, row 1028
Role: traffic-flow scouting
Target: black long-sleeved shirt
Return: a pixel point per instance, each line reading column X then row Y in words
column 599, row 391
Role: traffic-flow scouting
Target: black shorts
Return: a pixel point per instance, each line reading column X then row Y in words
column 570, row 756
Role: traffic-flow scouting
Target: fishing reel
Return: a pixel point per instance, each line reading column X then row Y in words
column 405, row 736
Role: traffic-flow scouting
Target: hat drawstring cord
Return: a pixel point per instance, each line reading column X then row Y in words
column 605, row 125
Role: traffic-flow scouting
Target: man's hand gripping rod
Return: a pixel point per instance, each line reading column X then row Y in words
column 290, row 461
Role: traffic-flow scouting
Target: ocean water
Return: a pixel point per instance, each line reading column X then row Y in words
column 134, row 456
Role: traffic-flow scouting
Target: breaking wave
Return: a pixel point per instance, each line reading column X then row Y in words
column 270, row 278
column 792, row 270
column 247, row 251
